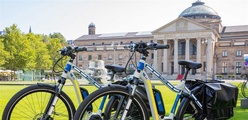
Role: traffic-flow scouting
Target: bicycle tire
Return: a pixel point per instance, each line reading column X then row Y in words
column 111, row 106
column 95, row 98
column 240, row 89
column 244, row 89
column 183, row 112
column 32, row 102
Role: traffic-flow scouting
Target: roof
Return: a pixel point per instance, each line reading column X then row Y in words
column 238, row 28
column 116, row 35
column 199, row 9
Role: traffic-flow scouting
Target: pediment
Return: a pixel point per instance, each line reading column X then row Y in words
column 180, row 25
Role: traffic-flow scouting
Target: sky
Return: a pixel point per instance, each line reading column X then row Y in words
column 72, row 17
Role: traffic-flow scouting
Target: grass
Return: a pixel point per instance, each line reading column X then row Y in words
column 7, row 91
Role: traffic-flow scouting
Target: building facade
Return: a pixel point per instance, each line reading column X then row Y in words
column 196, row 35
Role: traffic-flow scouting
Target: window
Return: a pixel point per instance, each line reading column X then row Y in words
column 90, row 57
column 162, row 67
column 224, row 68
column 120, row 57
column 152, row 56
column 224, row 53
column 238, row 53
column 99, row 57
column 192, row 49
column 80, row 66
column 80, row 58
column 204, row 66
column 110, row 57
column 181, row 48
column 238, row 68
column 130, row 65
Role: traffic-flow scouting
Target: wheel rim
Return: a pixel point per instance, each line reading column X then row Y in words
column 33, row 104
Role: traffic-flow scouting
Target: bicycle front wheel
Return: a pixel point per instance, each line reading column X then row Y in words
column 31, row 102
column 113, row 108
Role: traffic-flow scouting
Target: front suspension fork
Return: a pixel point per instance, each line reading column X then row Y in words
column 53, row 99
column 131, row 90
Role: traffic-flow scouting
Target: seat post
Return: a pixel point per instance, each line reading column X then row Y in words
column 186, row 73
column 112, row 75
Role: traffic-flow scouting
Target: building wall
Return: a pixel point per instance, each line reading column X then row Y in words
column 229, row 42
column 107, row 49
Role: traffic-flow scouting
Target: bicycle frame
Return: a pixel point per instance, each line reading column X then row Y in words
column 180, row 88
column 74, row 80
column 68, row 74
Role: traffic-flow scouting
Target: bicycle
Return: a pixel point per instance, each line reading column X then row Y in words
column 131, row 106
column 244, row 87
column 47, row 102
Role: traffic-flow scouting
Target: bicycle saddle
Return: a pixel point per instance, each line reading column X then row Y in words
column 115, row 68
column 190, row 64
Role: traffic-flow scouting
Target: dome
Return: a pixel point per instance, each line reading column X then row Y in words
column 199, row 10
column 92, row 24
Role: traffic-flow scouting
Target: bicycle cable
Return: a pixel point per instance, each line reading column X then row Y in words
column 54, row 72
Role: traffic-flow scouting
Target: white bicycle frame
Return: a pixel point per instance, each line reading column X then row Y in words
column 141, row 74
column 67, row 73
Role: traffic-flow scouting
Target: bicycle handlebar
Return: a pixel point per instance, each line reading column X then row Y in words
column 68, row 50
column 159, row 46
column 80, row 49
column 142, row 47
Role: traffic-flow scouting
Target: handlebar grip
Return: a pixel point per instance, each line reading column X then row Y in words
column 159, row 46
column 126, row 47
column 79, row 49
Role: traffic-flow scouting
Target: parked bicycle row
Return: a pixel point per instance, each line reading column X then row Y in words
column 132, row 98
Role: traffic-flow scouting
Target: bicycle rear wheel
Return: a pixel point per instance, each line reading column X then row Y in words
column 188, row 110
column 244, row 89
column 31, row 102
column 113, row 107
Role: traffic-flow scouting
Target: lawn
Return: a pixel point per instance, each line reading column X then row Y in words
column 7, row 91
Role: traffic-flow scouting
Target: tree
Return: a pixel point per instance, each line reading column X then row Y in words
column 19, row 49
column 59, row 36
column 53, row 47
column 42, row 57
column 3, row 54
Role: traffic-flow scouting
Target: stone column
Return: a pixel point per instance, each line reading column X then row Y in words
column 198, row 54
column 187, row 49
column 165, row 59
column 209, row 58
column 175, row 56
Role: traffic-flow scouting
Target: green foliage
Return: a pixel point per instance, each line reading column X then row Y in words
column 19, row 51
column 59, row 36
column 53, row 47
column 3, row 54
column 42, row 57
